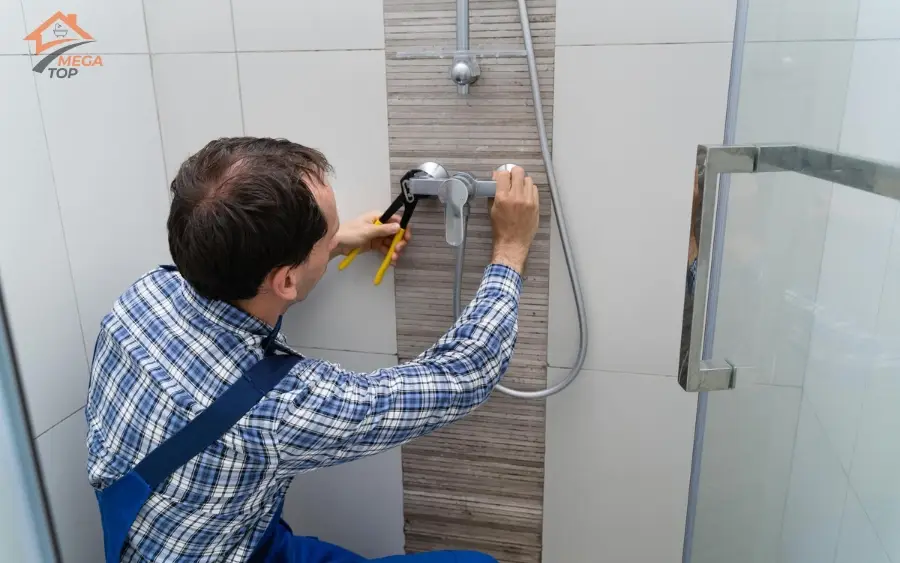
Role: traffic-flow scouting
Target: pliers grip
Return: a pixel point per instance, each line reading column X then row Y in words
column 408, row 203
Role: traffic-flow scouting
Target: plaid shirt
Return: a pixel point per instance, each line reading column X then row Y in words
column 165, row 353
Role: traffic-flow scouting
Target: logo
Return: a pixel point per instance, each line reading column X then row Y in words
column 55, row 37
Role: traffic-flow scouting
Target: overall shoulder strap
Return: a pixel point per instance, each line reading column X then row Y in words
column 216, row 420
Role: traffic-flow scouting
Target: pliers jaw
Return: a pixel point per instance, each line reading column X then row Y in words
column 408, row 201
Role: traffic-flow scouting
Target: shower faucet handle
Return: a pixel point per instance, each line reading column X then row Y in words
column 454, row 193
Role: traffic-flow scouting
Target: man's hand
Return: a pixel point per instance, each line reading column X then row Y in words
column 364, row 234
column 514, row 216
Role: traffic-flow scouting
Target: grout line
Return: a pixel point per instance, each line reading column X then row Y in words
column 809, row 349
column 302, row 347
column 749, row 42
column 62, row 224
column 884, row 550
column 846, row 473
column 643, row 43
column 159, row 128
column 840, row 530
column 148, row 52
column 787, row 490
column 616, row 371
column 65, row 418
column 237, row 66
column 382, row 49
column 866, row 392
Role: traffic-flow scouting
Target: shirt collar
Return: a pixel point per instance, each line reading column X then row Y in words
column 226, row 314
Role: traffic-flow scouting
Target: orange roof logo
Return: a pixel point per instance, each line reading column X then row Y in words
column 58, row 34
column 65, row 29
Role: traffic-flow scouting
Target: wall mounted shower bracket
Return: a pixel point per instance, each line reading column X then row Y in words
column 455, row 192
column 465, row 70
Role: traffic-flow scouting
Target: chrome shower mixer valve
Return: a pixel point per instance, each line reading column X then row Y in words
column 455, row 191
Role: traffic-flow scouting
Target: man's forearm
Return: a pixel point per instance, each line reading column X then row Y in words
column 391, row 406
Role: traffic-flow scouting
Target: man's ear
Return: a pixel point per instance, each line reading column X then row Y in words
column 284, row 282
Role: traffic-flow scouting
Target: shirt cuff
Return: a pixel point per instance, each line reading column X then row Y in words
column 502, row 278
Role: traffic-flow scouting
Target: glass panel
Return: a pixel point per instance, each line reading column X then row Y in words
column 801, row 462
column 24, row 527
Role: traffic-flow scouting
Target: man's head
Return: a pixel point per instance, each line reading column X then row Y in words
column 253, row 218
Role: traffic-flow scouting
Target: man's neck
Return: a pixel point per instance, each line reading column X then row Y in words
column 264, row 309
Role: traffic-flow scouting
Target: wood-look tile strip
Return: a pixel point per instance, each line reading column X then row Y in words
column 479, row 483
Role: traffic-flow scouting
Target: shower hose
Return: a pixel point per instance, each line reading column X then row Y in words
column 560, row 223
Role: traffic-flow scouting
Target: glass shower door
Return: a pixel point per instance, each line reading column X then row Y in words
column 792, row 318
column 792, row 337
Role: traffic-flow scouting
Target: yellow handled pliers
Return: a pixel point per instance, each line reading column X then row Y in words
column 408, row 202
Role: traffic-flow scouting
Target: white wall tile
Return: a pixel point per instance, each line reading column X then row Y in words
column 34, row 266
column 872, row 117
column 747, row 453
column 875, row 474
column 876, row 462
column 793, row 93
column 105, row 149
column 801, row 20
column 816, row 495
column 843, row 344
column 878, row 19
column 357, row 505
column 73, row 506
column 345, row 116
column 859, row 542
column 628, row 211
column 176, row 26
column 617, row 467
column 274, row 25
column 117, row 26
column 12, row 28
column 198, row 98
column 605, row 22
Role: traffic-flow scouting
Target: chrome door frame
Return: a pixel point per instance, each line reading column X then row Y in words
column 696, row 374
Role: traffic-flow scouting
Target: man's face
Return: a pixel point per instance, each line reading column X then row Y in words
column 311, row 271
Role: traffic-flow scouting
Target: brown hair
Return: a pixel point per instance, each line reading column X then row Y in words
column 242, row 207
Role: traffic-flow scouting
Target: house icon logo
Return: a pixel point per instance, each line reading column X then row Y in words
column 59, row 34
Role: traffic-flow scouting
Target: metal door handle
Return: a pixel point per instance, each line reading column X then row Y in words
column 695, row 371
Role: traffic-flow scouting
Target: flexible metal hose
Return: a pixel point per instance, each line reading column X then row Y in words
column 560, row 223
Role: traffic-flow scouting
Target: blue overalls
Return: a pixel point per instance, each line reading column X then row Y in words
column 121, row 501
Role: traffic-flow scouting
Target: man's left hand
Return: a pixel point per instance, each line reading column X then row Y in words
column 364, row 234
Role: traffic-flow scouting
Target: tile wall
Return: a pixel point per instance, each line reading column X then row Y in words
column 84, row 166
column 489, row 497
column 849, row 420
column 84, row 169
column 638, row 86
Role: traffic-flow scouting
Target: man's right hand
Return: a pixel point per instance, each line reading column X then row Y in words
column 514, row 216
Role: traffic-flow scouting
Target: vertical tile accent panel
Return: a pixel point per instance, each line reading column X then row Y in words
column 478, row 484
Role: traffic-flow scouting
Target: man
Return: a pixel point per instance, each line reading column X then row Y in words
column 200, row 415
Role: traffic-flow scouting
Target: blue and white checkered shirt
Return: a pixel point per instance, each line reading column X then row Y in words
column 165, row 353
